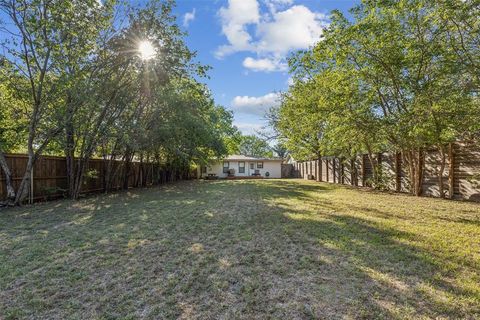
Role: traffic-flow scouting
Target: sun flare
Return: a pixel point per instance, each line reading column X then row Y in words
column 146, row 50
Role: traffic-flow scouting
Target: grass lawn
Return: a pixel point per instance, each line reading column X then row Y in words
column 257, row 249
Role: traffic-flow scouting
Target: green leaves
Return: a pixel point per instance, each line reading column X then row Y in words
column 73, row 81
column 399, row 75
column 253, row 146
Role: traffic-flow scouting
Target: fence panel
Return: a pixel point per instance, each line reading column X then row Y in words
column 466, row 171
column 461, row 175
column 50, row 176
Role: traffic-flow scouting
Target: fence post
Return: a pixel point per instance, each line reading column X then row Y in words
column 342, row 171
column 319, row 169
column 451, row 171
column 320, row 163
column 352, row 172
column 334, row 170
column 328, row 169
column 398, row 171
column 379, row 162
column 363, row 171
column 340, row 168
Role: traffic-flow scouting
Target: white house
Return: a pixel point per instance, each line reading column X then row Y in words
column 244, row 167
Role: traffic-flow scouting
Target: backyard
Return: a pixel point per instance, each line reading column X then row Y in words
column 254, row 249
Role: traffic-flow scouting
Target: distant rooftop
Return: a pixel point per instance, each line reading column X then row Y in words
column 246, row 158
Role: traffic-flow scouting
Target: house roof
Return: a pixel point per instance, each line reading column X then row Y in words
column 246, row 158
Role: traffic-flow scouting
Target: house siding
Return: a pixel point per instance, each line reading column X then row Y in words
column 274, row 168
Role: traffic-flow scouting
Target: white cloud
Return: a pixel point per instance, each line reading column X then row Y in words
column 292, row 29
column 274, row 5
column 265, row 64
column 188, row 17
column 255, row 105
column 235, row 18
column 270, row 35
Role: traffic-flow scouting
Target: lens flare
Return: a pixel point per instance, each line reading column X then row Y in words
column 146, row 50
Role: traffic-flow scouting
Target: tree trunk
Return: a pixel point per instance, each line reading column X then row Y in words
column 374, row 170
column 420, row 171
column 410, row 159
column 32, row 158
column 416, row 160
column 126, row 173
column 8, row 180
column 375, row 163
column 139, row 182
column 70, row 145
column 149, row 171
column 25, row 183
column 106, row 173
column 78, row 177
column 113, row 174
column 109, row 172
column 70, row 158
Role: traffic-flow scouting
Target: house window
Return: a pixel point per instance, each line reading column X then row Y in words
column 204, row 169
column 259, row 165
column 226, row 166
column 252, row 165
column 241, row 167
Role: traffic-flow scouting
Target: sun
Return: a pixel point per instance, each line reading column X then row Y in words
column 146, row 50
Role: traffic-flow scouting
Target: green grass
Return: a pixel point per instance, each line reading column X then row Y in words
column 254, row 249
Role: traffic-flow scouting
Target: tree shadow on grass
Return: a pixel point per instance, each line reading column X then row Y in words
column 401, row 279
column 227, row 249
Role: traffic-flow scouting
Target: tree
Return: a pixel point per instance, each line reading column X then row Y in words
column 37, row 52
column 92, row 93
column 421, row 103
column 13, row 125
column 280, row 150
column 299, row 123
column 399, row 76
column 253, row 146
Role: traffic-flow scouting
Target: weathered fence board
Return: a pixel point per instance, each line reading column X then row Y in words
column 288, row 170
column 50, row 176
column 461, row 176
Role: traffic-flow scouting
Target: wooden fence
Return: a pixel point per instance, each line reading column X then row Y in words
column 461, row 174
column 50, row 176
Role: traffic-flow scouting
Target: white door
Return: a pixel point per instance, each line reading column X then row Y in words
column 251, row 168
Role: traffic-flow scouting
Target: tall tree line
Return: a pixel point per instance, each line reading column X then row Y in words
column 400, row 76
column 73, row 81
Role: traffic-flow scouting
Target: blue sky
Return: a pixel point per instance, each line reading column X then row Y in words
column 246, row 42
